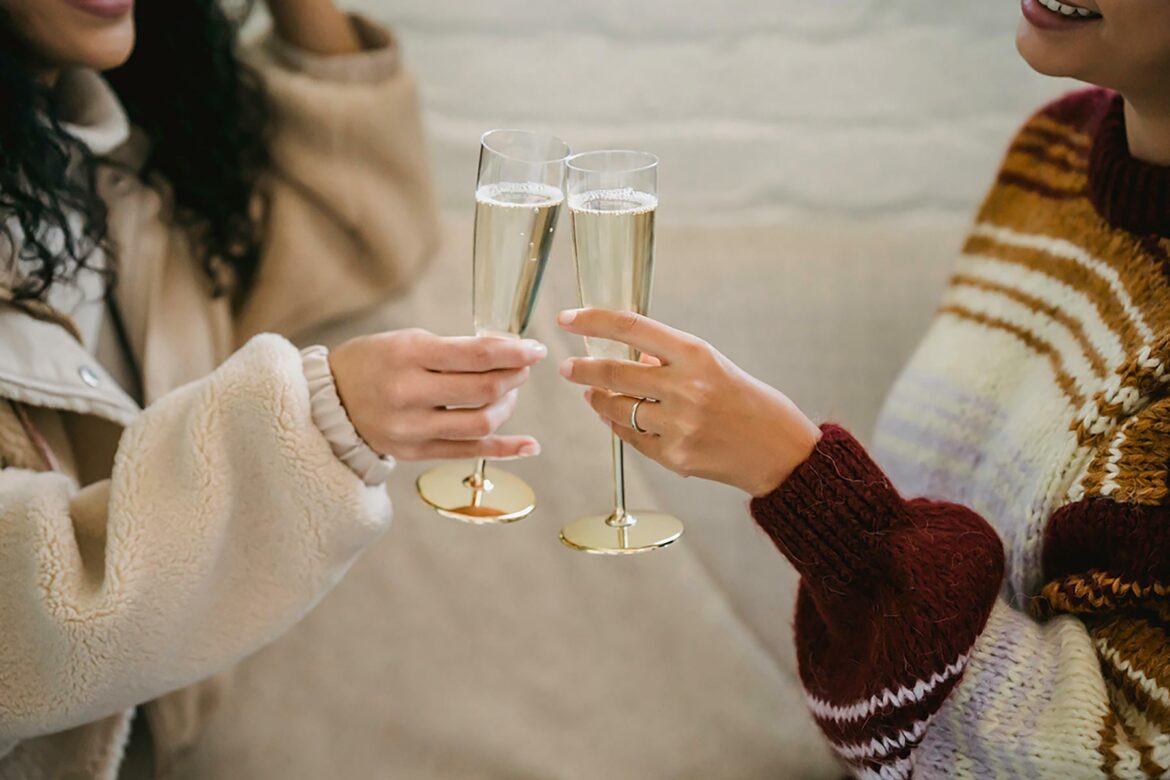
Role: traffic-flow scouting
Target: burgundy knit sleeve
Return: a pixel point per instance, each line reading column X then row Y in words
column 893, row 595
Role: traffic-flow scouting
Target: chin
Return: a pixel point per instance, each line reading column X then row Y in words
column 1044, row 56
column 106, row 51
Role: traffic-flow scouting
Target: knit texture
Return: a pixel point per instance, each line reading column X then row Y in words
column 1015, row 622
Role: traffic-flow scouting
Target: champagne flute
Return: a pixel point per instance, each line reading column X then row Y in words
column 613, row 196
column 519, row 192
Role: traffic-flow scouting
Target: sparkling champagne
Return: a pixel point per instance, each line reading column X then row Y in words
column 514, row 226
column 613, row 239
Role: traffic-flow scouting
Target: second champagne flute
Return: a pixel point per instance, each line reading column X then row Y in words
column 519, row 192
column 613, row 196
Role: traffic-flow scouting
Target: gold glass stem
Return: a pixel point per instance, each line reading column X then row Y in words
column 478, row 479
column 620, row 517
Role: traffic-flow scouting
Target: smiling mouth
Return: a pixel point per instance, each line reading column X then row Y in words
column 1064, row 9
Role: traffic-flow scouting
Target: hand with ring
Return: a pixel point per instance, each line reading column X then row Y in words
column 687, row 406
column 634, row 416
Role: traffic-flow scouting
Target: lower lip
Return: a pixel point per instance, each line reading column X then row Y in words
column 1039, row 16
column 106, row 9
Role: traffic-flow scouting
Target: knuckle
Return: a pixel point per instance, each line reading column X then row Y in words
column 688, row 466
column 394, row 394
column 696, row 349
column 491, row 388
column 612, row 374
column 687, row 426
column 679, row 460
column 481, row 355
column 699, row 392
column 492, row 448
column 627, row 321
column 481, row 424
column 399, row 429
column 407, row 452
column 413, row 338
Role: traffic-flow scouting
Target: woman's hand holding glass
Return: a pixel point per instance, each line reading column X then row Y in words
column 704, row 416
column 416, row 396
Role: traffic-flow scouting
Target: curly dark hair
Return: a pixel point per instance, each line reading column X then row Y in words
column 207, row 118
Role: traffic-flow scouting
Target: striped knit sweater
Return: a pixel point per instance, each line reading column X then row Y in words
column 1014, row 622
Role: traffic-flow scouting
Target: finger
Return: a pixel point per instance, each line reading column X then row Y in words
column 618, row 409
column 472, row 390
column 619, row 376
column 481, row 353
column 637, row 331
column 494, row 447
column 470, row 424
column 650, row 446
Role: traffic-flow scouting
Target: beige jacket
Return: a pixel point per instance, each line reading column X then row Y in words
column 144, row 550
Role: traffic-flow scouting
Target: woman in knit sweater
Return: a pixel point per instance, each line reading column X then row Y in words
column 175, row 490
column 993, row 599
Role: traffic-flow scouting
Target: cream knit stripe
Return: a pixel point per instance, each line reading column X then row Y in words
column 1094, row 420
column 1069, row 354
column 1051, row 316
column 889, row 698
column 1066, row 249
column 1064, row 296
column 879, row 748
column 1109, row 485
column 1139, row 677
column 899, row 770
column 1151, row 743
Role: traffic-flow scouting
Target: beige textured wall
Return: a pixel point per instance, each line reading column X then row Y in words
column 766, row 110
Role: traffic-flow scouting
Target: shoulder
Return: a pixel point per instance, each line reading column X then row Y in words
column 1073, row 117
column 1064, row 128
column 1047, row 162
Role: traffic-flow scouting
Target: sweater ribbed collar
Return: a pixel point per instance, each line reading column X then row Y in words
column 1130, row 194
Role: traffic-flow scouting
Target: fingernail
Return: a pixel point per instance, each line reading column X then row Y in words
column 567, row 316
column 530, row 450
column 567, row 368
column 589, row 395
column 535, row 346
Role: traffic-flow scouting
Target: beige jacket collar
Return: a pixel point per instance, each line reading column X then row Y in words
column 42, row 361
column 43, row 364
column 90, row 111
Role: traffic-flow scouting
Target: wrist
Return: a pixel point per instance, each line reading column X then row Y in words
column 333, row 420
column 316, row 26
column 787, row 451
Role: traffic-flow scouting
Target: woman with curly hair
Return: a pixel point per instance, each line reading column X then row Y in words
column 176, row 490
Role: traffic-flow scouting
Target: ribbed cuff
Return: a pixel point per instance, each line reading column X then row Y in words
column 377, row 62
column 829, row 515
column 329, row 415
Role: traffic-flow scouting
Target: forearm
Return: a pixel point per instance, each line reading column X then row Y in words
column 349, row 181
column 894, row 594
column 227, row 516
column 909, row 659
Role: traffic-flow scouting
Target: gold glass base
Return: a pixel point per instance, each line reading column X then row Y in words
column 449, row 490
column 600, row 534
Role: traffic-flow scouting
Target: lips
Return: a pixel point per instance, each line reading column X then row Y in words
column 104, row 9
column 1056, row 15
